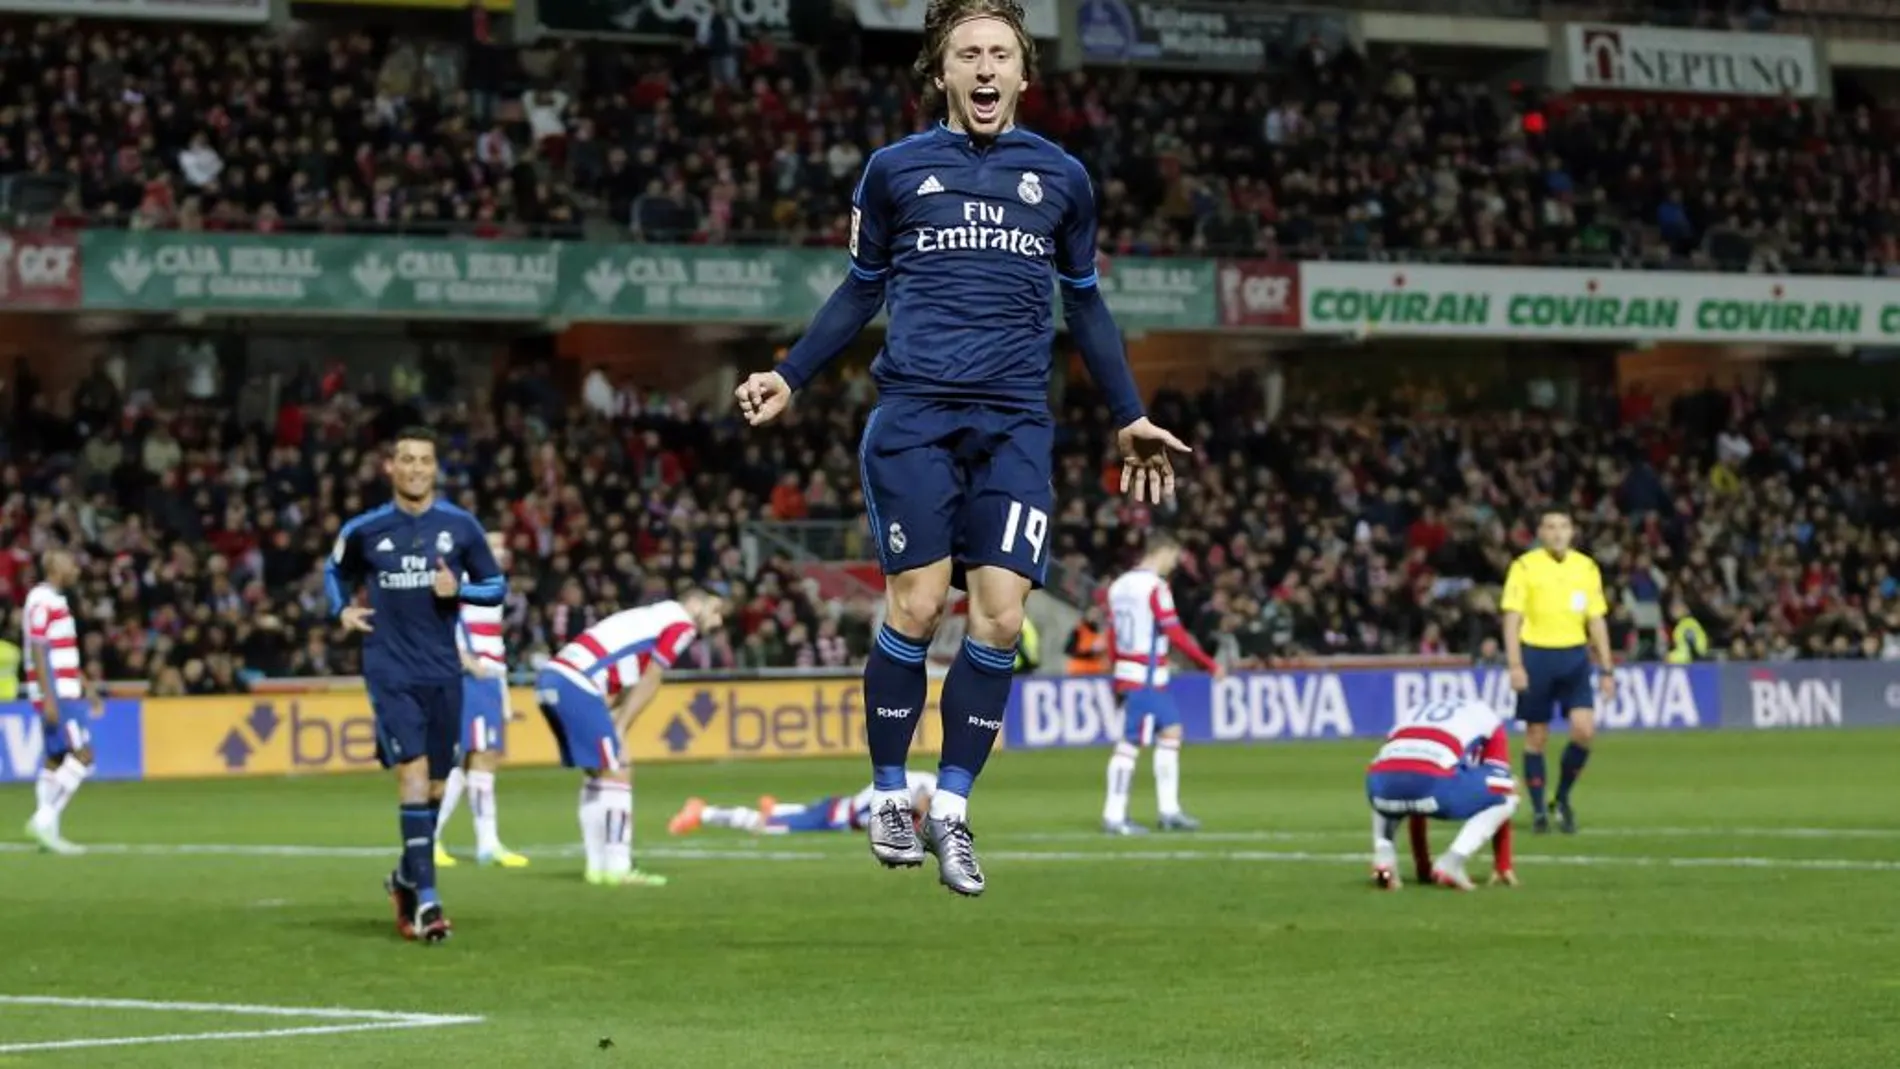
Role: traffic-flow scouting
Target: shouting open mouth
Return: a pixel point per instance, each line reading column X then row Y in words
column 986, row 104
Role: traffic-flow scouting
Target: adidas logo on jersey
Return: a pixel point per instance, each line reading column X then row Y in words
column 385, row 546
column 931, row 185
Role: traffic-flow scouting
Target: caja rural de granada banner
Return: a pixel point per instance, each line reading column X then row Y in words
column 1498, row 302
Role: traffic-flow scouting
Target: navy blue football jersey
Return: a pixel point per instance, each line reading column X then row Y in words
column 395, row 555
column 969, row 239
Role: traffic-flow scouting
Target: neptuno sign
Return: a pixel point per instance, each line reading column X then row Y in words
column 1645, row 60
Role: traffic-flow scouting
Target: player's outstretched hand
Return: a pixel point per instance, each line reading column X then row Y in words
column 356, row 618
column 762, row 396
column 1147, row 469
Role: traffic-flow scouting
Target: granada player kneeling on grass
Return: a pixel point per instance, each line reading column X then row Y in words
column 1445, row 760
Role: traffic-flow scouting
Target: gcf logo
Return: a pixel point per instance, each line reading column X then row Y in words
column 39, row 270
column 1260, row 293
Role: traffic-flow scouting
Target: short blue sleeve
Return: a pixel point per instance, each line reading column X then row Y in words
column 871, row 219
column 1075, row 236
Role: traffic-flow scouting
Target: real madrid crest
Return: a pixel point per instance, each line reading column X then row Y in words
column 1030, row 188
column 443, row 543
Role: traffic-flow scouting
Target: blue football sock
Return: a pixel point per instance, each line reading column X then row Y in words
column 1534, row 779
column 418, row 849
column 974, row 696
column 895, row 688
column 1575, row 757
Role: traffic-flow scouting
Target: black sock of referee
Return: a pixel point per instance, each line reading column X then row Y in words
column 1534, row 780
column 1575, row 757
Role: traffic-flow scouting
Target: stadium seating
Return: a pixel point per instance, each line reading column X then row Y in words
column 1366, row 534
column 210, row 129
column 1313, row 535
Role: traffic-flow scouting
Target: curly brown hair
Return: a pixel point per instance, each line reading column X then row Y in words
column 945, row 15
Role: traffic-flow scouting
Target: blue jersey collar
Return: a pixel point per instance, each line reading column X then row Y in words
column 942, row 130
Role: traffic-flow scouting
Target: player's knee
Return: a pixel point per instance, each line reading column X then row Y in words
column 1171, row 733
column 914, row 604
column 1536, row 737
column 998, row 626
column 1583, row 730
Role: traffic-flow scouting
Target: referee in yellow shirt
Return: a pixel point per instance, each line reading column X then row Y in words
column 1553, row 621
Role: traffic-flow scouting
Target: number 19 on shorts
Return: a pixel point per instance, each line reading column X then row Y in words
column 1029, row 523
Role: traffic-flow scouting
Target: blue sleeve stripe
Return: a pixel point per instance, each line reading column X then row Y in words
column 857, row 194
column 1090, row 279
column 486, row 592
column 868, row 276
column 333, row 588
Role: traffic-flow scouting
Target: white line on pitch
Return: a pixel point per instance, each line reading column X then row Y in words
column 1824, row 863
column 206, row 1037
column 1114, row 854
column 1710, row 831
column 360, row 1021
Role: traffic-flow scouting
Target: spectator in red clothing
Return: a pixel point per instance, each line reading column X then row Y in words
column 1427, row 533
column 788, row 498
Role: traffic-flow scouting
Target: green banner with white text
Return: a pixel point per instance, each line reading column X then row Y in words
column 285, row 274
column 1679, row 306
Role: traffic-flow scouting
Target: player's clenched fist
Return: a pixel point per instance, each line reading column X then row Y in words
column 762, row 396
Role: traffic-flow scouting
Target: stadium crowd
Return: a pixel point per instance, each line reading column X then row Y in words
column 196, row 128
column 1308, row 534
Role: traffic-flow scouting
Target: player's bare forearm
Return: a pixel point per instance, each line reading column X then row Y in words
column 1514, row 639
column 49, row 683
column 636, row 698
column 1599, row 630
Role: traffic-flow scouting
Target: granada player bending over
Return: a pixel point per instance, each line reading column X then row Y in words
column 1445, row 760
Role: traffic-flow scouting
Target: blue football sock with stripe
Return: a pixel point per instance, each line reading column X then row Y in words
column 1534, row 779
column 418, row 849
column 975, row 694
column 1575, row 757
column 895, row 687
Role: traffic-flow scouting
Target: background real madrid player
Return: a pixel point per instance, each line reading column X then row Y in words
column 962, row 230
column 413, row 552
column 1553, row 621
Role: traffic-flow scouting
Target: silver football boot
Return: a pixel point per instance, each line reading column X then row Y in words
column 1178, row 822
column 951, row 840
column 893, row 834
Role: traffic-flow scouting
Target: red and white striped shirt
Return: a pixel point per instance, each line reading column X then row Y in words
column 1144, row 626
column 1439, row 737
column 49, row 624
column 479, row 631
column 612, row 655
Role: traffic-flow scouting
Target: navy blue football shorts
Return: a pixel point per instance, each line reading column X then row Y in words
column 417, row 718
column 959, row 479
column 1561, row 679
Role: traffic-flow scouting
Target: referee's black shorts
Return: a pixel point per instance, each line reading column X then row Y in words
column 1560, row 680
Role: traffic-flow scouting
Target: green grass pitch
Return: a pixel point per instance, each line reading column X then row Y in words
column 1728, row 904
